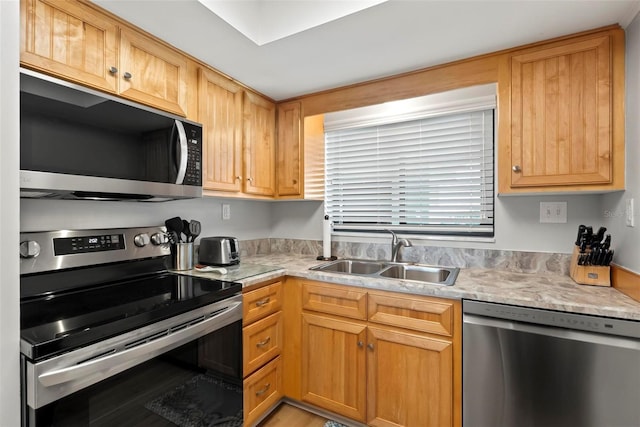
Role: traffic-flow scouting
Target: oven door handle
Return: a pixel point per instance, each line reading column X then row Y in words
column 114, row 362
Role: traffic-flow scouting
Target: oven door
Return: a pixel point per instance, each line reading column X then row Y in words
column 186, row 370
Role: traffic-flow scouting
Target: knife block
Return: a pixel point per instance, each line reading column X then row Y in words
column 596, row 275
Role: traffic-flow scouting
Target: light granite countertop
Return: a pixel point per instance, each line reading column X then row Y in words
column 547, row 291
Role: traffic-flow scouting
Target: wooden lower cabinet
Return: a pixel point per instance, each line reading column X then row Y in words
column 262, row 343
column 409, row 379
column 262, row 390
column 399, row 366
column 334, row 365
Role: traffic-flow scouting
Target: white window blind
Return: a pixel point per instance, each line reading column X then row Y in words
column 425, row 175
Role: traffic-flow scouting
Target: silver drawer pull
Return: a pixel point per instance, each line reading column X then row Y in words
column 262, row 302
column 263, row 342
column 263, row 390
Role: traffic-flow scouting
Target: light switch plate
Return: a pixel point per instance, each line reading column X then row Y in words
column 553, row 212
column 630, row 214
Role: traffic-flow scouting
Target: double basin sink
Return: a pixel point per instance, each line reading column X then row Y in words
column 392, row 270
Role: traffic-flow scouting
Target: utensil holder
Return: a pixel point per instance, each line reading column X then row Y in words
column 183, row 256
column 596, row 275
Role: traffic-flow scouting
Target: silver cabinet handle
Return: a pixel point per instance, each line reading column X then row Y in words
column 263, row 302
column 360, row 344
column 263, row 342
column 250, row 180
column 238, row 178
column 113, row 70
column 263, row 390
column 127, row 75
column 516, row 169
column 370, row 347
column 182, row 151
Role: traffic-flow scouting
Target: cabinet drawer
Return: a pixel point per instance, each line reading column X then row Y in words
column 418, row 313
column 339, row 300
column 261, row 302
column 262, row 390
column 261, row 342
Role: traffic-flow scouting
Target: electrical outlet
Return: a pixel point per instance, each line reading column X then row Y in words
column 553, row 212
column 630, row 214
column 226, row 211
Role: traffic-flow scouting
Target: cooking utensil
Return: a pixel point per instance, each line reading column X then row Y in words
column 186, row 231
column 175, row 224
column 194, row 228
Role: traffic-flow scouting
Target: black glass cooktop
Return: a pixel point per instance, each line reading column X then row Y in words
column 56, row 323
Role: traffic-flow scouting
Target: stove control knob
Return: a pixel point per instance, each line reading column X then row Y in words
column 141, row 240
column 29, row 249
column 159, row 239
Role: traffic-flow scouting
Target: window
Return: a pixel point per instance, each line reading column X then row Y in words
column 425, row 170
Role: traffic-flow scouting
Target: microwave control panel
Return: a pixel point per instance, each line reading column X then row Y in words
column 193, row 175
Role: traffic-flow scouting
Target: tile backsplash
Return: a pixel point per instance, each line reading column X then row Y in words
column 516, row 261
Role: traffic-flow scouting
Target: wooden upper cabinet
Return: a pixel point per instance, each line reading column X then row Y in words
column 70, row 40
column 220, row 112
column 289, row 165
column 566, row 114
column 259, row 145
column 152, row 73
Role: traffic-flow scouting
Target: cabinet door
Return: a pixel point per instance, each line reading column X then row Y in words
column 409, row 379
column 289, row 164
column 333, row 365
column 152, row 73
column 70, row 40
column 259, row 145
column 220, row 112
column 561, row 130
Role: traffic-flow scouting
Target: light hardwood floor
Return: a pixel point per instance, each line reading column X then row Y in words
column 290, row 416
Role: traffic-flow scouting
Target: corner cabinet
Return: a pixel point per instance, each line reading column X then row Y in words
column 381, row 358
column 565, row 109
column 75, row 41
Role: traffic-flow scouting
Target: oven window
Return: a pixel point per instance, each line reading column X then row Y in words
column 197, row 384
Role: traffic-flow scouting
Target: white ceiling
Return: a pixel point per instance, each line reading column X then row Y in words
column 382, row 40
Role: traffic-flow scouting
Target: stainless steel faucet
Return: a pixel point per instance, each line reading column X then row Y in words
column 396, row 244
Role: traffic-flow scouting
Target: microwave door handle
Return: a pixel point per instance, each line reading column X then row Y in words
column 182, row 151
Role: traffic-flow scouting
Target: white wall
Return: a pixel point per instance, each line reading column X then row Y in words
column 9, row 161
column 249, row 219
column 517, row 220
column 626, row 239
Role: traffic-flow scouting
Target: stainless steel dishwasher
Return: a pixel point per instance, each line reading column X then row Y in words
column 531, row 367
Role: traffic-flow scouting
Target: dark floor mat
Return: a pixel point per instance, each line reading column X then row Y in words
column 203, row 401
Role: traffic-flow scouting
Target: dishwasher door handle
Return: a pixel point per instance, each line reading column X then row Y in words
column 570, row 334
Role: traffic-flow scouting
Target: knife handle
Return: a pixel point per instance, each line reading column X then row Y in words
column 581, row 230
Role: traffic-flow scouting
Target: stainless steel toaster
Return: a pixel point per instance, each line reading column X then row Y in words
column 219, row 250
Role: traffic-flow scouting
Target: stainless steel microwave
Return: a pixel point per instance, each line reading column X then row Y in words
column 78, row 143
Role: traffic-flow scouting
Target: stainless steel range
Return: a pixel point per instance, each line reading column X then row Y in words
column 110, row 336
